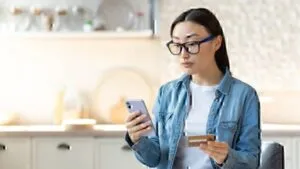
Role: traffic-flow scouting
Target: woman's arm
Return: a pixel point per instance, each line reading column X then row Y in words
column 147, row 149
column 247, row 151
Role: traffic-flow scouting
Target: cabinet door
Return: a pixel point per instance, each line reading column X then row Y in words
column 114, row 153
column 15, row 153
column 288, row 144
column 63, row 153
column 297, row 153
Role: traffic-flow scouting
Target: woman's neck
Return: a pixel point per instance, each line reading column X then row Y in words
column 208, row 77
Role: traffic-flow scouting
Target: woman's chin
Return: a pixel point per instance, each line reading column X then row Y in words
column 188, row 71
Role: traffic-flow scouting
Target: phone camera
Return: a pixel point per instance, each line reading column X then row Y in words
column 128, row 105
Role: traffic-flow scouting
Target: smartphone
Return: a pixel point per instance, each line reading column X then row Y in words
column 138, row 105
column 195, row 141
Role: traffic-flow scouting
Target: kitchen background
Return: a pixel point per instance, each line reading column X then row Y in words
column 36, row 68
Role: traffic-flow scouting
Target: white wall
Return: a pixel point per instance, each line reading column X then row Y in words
column 33, row 70
column 262, row 38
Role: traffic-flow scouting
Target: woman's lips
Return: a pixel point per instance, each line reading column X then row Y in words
column 187, row 64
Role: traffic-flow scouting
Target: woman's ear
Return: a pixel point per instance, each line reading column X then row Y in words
column 217, row 42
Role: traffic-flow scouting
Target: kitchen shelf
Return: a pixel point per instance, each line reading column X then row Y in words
column 89, row 35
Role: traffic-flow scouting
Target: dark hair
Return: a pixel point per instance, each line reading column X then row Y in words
column 207, row 19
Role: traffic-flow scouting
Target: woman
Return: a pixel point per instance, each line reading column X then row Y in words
column 205, row 100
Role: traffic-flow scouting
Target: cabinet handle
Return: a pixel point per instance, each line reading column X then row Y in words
column 64, row 146
column 126, row 148
column 2, row 147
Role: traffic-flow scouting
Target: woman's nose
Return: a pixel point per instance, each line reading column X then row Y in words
column 184, row 54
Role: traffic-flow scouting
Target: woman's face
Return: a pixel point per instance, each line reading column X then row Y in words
column 201, row 54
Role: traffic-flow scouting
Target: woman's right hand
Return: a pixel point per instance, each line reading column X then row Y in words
column 135, row 126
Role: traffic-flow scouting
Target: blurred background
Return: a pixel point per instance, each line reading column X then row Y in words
column 81, row 59
column 50, row 47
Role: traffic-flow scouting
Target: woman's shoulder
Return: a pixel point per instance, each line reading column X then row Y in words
column 171, row 85
column 175, row 83
column 241, row 86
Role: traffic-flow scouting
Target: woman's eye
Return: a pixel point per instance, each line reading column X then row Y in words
column 176, row 44
column 192, row 44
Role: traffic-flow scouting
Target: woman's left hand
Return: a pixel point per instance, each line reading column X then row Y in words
column 216, row 150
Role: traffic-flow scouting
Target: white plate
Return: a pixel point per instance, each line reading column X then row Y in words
column 117, row 84
column 117, row 14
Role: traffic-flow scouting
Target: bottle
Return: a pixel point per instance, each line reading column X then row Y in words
column 139, row 23
column 72, row 104
column 59, row 107
column 88, row 26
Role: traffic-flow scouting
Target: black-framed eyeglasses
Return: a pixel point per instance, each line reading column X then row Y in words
column 192, row 47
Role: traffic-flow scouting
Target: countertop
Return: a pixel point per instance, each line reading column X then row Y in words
column 56, row 130
column 280, row 129
column 118, row 130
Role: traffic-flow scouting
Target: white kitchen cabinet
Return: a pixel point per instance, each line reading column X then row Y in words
column 297, row 153
column 41, row 151
column 288, row 144
column 114, row 153
column 63, row 153
column 15, row 153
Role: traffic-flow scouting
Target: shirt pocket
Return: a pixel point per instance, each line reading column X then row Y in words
column 226, row 130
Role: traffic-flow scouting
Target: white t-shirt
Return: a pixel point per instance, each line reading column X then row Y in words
column 195, row 124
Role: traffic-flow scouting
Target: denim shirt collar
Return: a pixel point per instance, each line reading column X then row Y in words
column 224, row 85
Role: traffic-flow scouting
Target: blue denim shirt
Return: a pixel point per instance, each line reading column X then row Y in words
column 234, row 118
